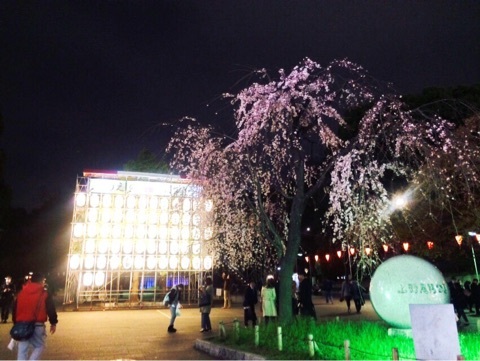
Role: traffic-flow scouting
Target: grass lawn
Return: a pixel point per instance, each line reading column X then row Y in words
column 368, row 341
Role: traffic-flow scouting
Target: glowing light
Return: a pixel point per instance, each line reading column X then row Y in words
column 116, row 245
column 106, row 215
column 316, row 258
column 114, row 262
column 99, row 279
column 151, row 246
column 429, row 244
column 105, row 230
column 162, row 247
column 207, row 262
column 163, row 218
column 186, row 219
column 78, row 230
column 118, row 215
column 81, row 199
column 128, row 231
column 306, row 259
column 385, row 248
column 74, row 261
column 196, row 234
column 196, row 219
column 107, row 200
column 151, row 262
column 175, row 218
column 352, row 251
column 140, row 247
column 208, row 233
column 173, row 262
column 185, row 233
column 327, row 257
column 130, row 216
column 209, row 205
column 139, row 262
column 94, row 200
column 196, row 263
column 101, row 262
column 142, row 217
column 163, row 232
column 406, row 246
column 142, row 202
column 196, row 247
column 92, row 215
column 127, row 262
column 92, row 230
column 89, row 262
column 368, row 250
column 400, row 201
column 185, row 263
column 163, row 262
column 127, row 246
column 90, row 246
column 459, row 239
column 164, row 204
column 119, row 201
column 186, row 205
column 87, row 279
column 131, row 202
column 184, row 247
column 174, row 247
column 477, row 236
column 141, row 231
column 339, row 254
column 153, row 202
column 174, row 233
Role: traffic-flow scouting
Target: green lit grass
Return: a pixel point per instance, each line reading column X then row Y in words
column 368, row 341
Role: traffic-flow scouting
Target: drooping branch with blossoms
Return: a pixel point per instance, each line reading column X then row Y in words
column 288, row 148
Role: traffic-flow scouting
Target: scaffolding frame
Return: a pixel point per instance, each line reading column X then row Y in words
column 130, row 254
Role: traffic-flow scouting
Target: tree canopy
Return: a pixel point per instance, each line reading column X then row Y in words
column 293, row 143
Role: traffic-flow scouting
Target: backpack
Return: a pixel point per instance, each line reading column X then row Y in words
column 169, row 297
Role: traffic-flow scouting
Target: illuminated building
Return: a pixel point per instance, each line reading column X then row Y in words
column 133, row 236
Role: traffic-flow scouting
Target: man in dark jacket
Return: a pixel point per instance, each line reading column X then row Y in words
column 6, row 299
column 34, row 303
column 305, row 297
column 249, row 301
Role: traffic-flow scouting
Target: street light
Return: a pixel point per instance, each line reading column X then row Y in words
column 474, row 234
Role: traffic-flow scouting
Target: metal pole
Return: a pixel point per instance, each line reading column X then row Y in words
column 474, row 261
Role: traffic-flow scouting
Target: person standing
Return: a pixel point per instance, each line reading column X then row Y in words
column 268, row 297
column 357, row 295
column 6, row 298
column 475, row 288
column 34, row 303
column 250, row 299
column 306, row 307
column 174, row 305
column 205, row 303
column 227, row 284
column 346, row 292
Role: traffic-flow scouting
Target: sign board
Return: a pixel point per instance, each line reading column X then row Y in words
column 435, row 334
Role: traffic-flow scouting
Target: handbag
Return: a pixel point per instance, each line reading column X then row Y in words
column 23, row 330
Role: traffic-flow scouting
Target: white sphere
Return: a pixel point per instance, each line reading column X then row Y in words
column 404, row 280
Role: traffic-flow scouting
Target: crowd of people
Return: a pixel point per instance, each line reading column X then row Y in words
column 465, row 296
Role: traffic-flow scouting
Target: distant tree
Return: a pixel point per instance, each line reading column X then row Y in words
column 294, row 144
column 146, row 162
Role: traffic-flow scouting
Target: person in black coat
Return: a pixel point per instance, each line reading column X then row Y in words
column 249, row 301
column 305, row 297
column 459, row 300
column 6, row 298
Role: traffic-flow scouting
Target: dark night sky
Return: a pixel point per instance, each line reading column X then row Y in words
column 84, row 84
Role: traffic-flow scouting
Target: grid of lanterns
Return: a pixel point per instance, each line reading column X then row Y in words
column 139, row 232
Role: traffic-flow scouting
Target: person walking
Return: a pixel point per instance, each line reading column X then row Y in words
column 174, row 305
column 227, row 284
column 34, row 303
column 459, row 300
column 328, row 289
column 205, row 303
column 6, row 298
column 268, row 297
column 357, row 295
column 250, row 299
column 346, row 292
column 306, row 307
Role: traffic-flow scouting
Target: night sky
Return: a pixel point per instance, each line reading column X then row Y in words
column 85, row 84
